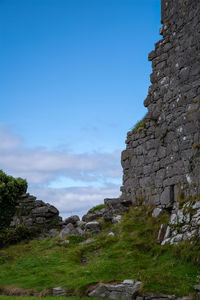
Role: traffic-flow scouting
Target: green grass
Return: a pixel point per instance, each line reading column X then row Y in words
column 192, row 200
column 132, row 253
column 96, row 208
column 139, row 126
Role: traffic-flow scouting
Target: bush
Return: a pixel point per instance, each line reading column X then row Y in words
column 10, row 190
column 10, row 236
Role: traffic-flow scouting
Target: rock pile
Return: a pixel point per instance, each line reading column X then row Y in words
column 184, row 223
column 131, row 290
column 35, row 213
column 90, row 223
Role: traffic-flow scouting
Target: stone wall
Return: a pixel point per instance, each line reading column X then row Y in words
column 161, row 162
column 35, row 213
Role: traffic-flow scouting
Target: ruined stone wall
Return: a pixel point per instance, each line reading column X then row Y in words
column 162, row 158
column 35, row 213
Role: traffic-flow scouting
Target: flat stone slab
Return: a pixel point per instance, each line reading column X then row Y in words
column 128, row 289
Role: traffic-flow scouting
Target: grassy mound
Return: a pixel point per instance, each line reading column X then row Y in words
column 132, row 253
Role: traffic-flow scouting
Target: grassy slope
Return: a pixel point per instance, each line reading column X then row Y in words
column 131, row 254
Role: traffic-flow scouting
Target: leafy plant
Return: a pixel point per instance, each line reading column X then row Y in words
column 10, row 189
column 10, row 236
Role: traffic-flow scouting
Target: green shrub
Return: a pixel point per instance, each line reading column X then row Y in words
column 10, row 189
column 10, row 236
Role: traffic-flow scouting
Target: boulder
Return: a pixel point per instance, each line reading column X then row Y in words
column 128, row 290
column 69, row 229
column 117, row 204
column 93, row 216
column 35, row 213
column 93, row 227
column 89, row 217
column 107, row 216
column 73, row 220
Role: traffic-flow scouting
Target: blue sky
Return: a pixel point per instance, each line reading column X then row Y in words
column 73, row 77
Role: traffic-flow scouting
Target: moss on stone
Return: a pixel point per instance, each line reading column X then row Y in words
column 140, row 126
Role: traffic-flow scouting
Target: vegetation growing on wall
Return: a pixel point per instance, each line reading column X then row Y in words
column 139, row 126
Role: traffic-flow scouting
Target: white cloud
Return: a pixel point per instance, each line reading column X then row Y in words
column 43, row 168
column 76, row 200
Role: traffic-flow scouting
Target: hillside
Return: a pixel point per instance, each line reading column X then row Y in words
column 132, row 252
column 144, row 245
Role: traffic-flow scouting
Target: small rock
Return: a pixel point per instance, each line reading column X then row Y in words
column 128, row 281
column 164, row 242
column 73, row 220
column 59, row 291
column 197, row 287
column 176, row 239
column 111, row 234
column 90, row 240
column 156, row 212
column 116, row 219
column 66, row 242
column 173, row 219
column 196, row 205
column 139, row 298
column 93, row 227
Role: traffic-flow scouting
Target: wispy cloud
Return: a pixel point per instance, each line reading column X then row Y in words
column 41, row 167
column 76, row 200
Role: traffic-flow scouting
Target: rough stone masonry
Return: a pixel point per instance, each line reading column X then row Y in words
column 162, row 158
column 35, row 213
